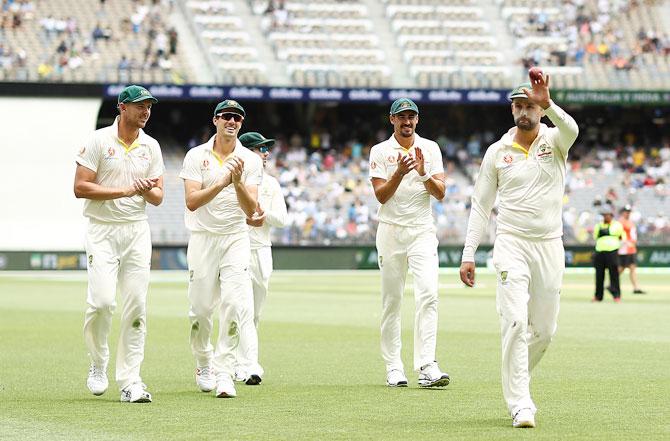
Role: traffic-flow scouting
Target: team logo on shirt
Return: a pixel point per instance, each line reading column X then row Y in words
column 111, row 152
column 391, row 159
column 373, row 165
column 82, row 150
column 545, row 153
column 503, row 277
column 507, row 159
column 205, row 164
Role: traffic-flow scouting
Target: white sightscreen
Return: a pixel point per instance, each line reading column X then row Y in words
column 39, row 138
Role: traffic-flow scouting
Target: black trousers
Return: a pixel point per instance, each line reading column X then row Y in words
column 609, row 260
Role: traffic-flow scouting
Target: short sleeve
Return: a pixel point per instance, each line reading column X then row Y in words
column 254, row 176
column 191, row 168
column 89, row 154
column 436, row 166
column 377, row 165
column 157, row 168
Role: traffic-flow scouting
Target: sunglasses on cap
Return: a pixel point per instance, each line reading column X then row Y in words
column 226, row 116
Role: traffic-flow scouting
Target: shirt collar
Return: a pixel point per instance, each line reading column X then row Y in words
column 137, row 142
column 508, row 138
column 209, row 146
column 396, row 145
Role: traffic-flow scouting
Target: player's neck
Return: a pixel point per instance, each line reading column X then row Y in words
column 224, row 145
column 126, row 133
column 404, row 142
column 526, row 138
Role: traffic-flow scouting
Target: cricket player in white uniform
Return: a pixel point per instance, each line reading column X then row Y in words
column 119, row 170
column 270, row 212
column 526, row 170
column 405, row 171
column 221, row 179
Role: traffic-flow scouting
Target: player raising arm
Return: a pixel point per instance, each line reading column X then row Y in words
column 526, row 170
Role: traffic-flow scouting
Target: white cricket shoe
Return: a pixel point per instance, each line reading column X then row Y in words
column 135, row 393
column 205, row 379
column 430, row 375
column 396, row 378
column 225, row 388
column 97, row 380
column 240, row 376
column 524, row 418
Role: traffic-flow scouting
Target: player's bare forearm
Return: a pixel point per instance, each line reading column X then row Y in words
column 154, row 196
column 384, row 189
column 436, row 186
column 96, row 192
column 86, row 187
column 196, row 197
column 247, row 197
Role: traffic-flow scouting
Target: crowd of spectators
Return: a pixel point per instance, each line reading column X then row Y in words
column 330, row 199
column 108, row 46
column 584, row 33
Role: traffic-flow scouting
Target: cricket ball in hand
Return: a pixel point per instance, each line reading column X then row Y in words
column 535, row 73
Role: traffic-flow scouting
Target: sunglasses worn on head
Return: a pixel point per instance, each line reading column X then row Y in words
column 226, row 116
column 263, row 149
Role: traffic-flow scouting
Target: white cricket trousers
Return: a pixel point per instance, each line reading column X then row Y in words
column 219, row 279
column 529, row 278
column 119, row 255
column 260, row 270
column 399, row 249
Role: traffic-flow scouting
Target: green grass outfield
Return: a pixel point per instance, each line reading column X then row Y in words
column 605, row 377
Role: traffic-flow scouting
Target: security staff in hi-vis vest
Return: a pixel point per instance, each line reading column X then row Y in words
column 608, row 235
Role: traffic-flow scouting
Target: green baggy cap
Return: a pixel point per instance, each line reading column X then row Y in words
column 254, row 139
column 135, row 94
column 517, row 92
column 231, row 105
column 402, row 104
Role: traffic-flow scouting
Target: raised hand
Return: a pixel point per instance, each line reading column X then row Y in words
column 420, row 161
column 539, row 94
column 405, row 164
column 236, row 166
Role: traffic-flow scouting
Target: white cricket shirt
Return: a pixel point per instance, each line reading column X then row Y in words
column 223, row 214
column 272, row 202
column 118, row 165
column 529, row 185
column 410, row 204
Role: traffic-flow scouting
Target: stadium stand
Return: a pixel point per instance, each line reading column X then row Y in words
column 226, row 39
column 331, row 201
column 592, row 44
column 85, row 41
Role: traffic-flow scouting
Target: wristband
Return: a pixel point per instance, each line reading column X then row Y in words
column 425, row 177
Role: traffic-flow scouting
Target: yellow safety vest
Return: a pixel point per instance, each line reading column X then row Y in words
column 608, row 236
